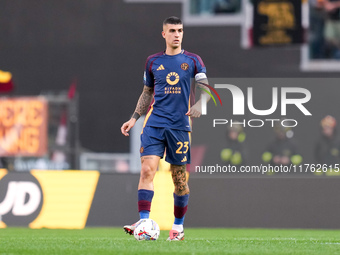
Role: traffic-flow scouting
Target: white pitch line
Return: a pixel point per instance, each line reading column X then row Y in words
column 330, row 243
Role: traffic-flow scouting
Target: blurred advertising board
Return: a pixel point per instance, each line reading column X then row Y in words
column 23, row 126
column 277, row 22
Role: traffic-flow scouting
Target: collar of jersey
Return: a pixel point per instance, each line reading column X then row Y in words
column 182, row 51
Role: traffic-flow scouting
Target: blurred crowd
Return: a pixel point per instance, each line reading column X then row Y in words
column 324, row 23
column 206, row 7
column 324, row 29
column 283, row 149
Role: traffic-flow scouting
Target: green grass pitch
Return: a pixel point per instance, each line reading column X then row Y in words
column 197, row 241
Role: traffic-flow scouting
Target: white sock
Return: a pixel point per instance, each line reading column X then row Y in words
column 179, row 228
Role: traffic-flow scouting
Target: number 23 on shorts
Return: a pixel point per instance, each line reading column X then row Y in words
column 182, row 147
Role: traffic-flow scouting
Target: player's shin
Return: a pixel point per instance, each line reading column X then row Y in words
column 180, row 208
column 144, row 202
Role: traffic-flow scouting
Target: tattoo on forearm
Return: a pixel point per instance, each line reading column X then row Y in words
column 135, row 115
column 144, row 100
column 179, row 178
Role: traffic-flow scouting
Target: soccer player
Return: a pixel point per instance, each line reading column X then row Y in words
column 169, row 93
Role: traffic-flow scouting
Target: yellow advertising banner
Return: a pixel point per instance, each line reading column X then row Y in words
column 23, row 126
column 46, row 199
column 67, row 198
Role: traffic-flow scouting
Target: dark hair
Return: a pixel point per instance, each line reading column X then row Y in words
column 172, row 20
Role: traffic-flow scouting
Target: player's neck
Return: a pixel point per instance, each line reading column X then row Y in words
column 173, row 51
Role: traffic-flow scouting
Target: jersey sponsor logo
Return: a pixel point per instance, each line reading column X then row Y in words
column 172, row 78
column 172, row 90
column 161, row 67
column 184, row 66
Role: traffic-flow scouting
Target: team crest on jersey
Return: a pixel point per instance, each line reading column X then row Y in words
column 184, row 66
column 172, row 78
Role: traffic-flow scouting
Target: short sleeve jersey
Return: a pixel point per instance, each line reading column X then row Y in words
column 171, row 77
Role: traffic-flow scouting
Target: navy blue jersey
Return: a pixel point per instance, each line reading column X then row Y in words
column 171, row 77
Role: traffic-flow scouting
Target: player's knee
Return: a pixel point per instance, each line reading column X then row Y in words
column 182, row 189
column 147, row 172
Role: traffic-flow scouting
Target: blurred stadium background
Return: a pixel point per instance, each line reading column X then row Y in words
column 71, row 74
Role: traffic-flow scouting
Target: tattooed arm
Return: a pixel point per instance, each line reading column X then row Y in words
column 141, row 108
column 143, row 102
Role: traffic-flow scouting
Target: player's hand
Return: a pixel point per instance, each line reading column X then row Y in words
column 127, row 126
column 195, row 111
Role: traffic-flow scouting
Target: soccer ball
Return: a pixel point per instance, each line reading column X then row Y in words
column 146, row 229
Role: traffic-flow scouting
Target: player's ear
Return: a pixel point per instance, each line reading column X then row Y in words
column 163, row 34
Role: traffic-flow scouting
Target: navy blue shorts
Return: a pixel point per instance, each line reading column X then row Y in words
column 154, row 141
